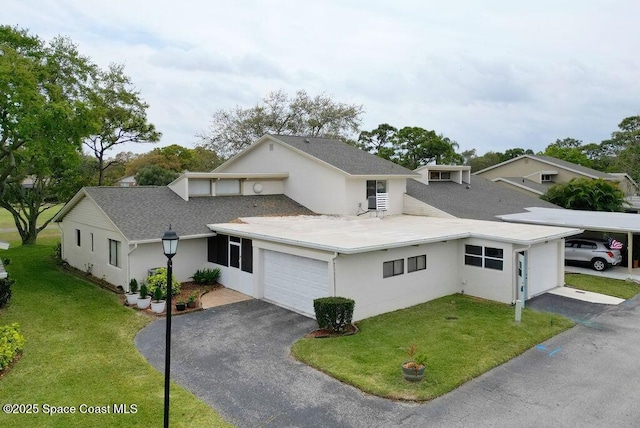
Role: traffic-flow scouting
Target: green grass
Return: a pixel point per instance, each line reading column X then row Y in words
column 609, row 286
column 80, row 350
column 462, row 338
column 6, row 219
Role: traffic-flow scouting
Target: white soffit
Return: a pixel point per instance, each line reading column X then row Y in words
column 591, row 220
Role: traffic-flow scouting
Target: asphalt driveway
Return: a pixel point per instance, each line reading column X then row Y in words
column 236, row 359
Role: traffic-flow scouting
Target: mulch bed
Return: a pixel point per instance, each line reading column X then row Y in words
column 322, row 333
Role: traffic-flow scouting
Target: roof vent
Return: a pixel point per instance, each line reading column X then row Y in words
column 306, row 140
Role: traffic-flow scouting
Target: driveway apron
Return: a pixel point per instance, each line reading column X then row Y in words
column 236, row 359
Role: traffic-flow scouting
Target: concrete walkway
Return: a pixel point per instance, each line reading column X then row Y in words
column 585, row 296
column 222, row 296
column 616, row 272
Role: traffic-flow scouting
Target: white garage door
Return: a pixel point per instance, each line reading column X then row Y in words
column 293, row 281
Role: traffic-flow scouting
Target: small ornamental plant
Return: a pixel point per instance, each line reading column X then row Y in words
column 416, row 361
column 157, row 295
column 133, row 286
column 144, row 291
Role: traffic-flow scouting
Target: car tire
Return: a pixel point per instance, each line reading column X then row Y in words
column 599, row 264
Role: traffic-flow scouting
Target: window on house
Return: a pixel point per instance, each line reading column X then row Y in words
column 92, row 242
column 487, row 257
column 373, row 188
column 439, row 175
column 392, row 268
column 78, row 240
column 114, row 253
column 546, row 177
column 417, row 263
column 218, row 249
column 227, row 187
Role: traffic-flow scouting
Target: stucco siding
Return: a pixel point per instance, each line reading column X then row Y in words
column 310, row 183
column 360, row 277
column 542, row 272
column 487, row 283
column 527, row 167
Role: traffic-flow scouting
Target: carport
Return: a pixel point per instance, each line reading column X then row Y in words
column 610, row 222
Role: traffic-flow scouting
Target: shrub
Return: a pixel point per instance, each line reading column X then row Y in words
column 144, row 291
column 5, row 290
column 206, row 276
column 157, row 294
column 159, row 279
column 133, row 286
column 11, row 344
column 334, row 313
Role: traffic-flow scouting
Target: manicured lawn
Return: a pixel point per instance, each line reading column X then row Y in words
column 80, row 350
column 462, row 338
column 609, row 286
column 6, row 219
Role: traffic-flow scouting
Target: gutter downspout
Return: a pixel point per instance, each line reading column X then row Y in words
column 629, row 252
column 61, row 240
column 131, row 250
column 333, row 268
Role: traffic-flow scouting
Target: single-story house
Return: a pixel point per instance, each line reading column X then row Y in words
column 292, row 218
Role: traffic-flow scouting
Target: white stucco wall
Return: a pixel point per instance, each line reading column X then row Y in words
column 316, row 186
column 545, row 267
column 191, row 256
column 356, row 193
column 413, row 206
column 87, row 218
column 488, row 283
column 359, row 277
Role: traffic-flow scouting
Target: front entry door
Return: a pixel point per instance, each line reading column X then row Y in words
column 521, row 279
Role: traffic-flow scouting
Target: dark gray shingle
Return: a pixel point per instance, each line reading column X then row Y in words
column 483, row 200
column 143, row 213
column 349, row 159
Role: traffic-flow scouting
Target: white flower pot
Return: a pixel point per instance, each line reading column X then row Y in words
column 132, row 298
column 158, row 307
column 143, row 303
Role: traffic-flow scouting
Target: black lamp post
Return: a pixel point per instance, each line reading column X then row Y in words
column 169, row 247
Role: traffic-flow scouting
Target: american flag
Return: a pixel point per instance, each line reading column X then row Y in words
column 614, row 245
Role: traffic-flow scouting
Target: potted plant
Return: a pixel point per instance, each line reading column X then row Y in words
column 157, row 304
column 144, row 300
column 413, row 369
column 181, row 305
column 191, row 301
column 132, row 295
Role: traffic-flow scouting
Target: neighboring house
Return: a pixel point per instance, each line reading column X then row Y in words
column 128, row 181
column 536, row 173
column 450, row 191
column 239, row 218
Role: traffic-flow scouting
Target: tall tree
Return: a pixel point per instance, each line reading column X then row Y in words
column 586, row 194
column 122, row 115
column 42, row 97
column 570, row 150
column 379, row 141
column 624, row 147
column 155, row 175
column 417, row 146
column 44, row 176
column 232, row 130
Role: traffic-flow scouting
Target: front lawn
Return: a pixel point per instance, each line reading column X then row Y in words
column 597, row 284
column 461, row 336
column 80, row 351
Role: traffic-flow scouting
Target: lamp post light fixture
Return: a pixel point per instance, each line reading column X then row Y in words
column 169, row 247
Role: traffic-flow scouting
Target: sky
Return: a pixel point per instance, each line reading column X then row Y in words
column 491, row 75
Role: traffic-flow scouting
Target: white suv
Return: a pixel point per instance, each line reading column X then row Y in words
column 592, row 251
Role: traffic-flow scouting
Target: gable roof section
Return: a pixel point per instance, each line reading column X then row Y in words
column 482, row 200
column 526, row 184
column 145, row 213
column 579, row 169
column 348, row 159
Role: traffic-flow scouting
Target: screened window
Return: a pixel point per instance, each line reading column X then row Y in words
column 114, row 253
column 393, row 268
column 417, row 263
column 373, row 188
column 78, row 240
column 218, row 249
column 228, row 187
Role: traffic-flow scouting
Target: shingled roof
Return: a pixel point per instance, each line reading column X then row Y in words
column 144, row 213
column 482, row 200
column 347, row 158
